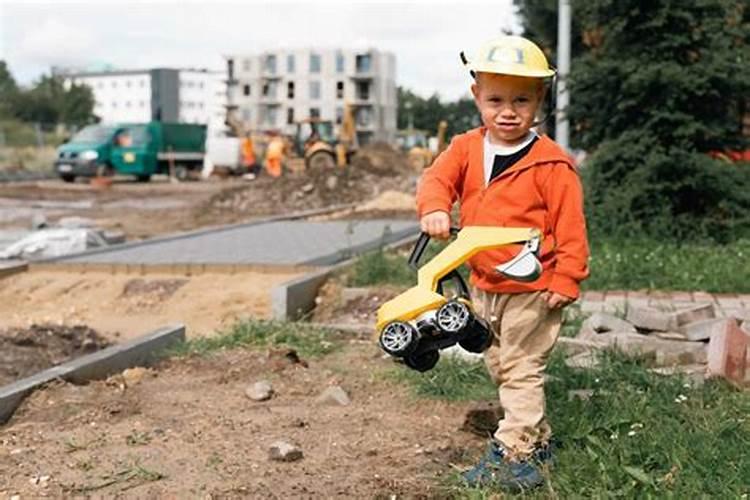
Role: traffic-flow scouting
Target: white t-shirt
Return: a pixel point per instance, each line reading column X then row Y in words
column 490, row 150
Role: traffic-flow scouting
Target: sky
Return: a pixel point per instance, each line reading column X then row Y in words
column 425, row 36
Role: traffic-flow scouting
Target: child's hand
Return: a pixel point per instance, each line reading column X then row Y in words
column 556, row 300
column 437, row 224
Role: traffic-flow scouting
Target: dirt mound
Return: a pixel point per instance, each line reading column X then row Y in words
column 374, row 170
column 25, row 351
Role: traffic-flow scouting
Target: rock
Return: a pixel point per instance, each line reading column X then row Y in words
column 700, row 312
column 649, row 319
column 602, row 322
column 582, row 394
column 260, row 391
column 334, row 395
column 585, row 360
column 331, row 182
column 727, row 353
column 672, row 351
column 282, row 451
column 308, row 188
column 705, row 329
column 573, row 346
column 586, row 332
column 133, row 376
column 669, row 336
column 482, row 419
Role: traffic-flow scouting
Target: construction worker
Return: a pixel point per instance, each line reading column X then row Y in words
column 275, row 154
column 507, row 174
column 249, row 160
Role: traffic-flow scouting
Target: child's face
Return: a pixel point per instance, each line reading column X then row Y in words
column 508, row 105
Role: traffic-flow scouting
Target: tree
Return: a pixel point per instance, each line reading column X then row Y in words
column 660, row 86
column 8, row 91
column 50, row 102
column 425, row 114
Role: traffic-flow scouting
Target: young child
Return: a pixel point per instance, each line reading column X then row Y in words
column 505, row 174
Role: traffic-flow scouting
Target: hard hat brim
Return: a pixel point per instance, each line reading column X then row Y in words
column 512, row 70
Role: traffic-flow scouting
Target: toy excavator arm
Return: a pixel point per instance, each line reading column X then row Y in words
column 474, row 239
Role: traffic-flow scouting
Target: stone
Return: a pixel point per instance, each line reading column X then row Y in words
column 602, row 322
column 669, row 336
column 260, row 391
column 704, row 329
column 582, row 394
column 586, row 332
column 585, row 360
column 727, row 353
column 574, row 346
column 663, row 351
column 133, row 376
column 333, row 396
column 649, row 319
column 282, row 451
column 331, row 182
column 698, row 313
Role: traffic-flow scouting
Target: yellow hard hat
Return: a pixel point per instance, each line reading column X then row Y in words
column 510, row 55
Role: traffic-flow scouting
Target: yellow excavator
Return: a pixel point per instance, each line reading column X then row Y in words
column 321, row 148
column 416, row 143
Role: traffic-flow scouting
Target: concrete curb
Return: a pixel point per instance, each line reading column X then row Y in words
column 100, row 364
column 293, row 299
column 25, row 176
column 9, row 269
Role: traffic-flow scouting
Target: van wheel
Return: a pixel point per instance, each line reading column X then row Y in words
column 143, row 178
column 68, row 178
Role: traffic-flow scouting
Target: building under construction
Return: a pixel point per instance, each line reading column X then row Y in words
column 274, row 90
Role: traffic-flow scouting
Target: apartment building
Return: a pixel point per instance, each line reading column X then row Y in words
column 273, row 90
column 170, row 95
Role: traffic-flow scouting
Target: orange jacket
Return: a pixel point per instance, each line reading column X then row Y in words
column 542, row 191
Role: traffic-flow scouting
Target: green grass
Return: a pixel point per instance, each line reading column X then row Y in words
column 307, row 340
column 640, row 435
column 615, row 265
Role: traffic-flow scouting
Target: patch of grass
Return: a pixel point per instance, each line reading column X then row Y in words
column 307, row 340
column 640, row 435
column 452, row 379
column 654, row 265
column 615, row 265
column 129, row 477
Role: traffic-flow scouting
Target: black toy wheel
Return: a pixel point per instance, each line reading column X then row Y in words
column 478, row 338
column 398, row 338
column 422, row 362
column 453, row 316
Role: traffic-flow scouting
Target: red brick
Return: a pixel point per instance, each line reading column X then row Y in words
column 727, row 353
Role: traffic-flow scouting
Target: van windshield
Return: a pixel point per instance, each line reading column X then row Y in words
column 93, row 133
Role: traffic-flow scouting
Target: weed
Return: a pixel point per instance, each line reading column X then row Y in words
column 307, row 340
column 137, row 438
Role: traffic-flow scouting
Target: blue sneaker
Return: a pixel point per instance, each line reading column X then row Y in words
column 515, row 476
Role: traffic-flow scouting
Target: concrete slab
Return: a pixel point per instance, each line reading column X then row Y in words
column 137, row 352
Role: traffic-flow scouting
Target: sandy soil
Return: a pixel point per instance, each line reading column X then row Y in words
column 187, row 430
column 132, row 305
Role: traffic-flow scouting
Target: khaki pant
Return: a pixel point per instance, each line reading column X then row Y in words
column 525, row 330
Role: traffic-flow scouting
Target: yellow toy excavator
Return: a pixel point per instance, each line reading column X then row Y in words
column 416, row 324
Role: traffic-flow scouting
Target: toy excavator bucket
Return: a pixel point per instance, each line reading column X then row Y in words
column 525, row 266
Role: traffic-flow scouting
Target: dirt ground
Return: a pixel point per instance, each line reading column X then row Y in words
column 144, row 210
column 26, row 351
column 121, row 306
column 187, row 430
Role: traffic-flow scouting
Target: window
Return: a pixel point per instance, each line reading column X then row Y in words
column 314, row 90
column 364, row 63
column 114, row 104
column 339, row 90
column 114, row 84
column 270, row 65
column 200, row 85
column 290, row 90
column 339, row 115
column 127, row 104
column 314, row 63
column 266, row 89
column 143, row 83
column 314, row 112
column 143, row 104
column 230, row 69
column 246, row 115
column 364, row 117
column 246, row 65
column 270, row 116
column 363, row 91
column 290, row 63
column 246, row 89
column 289, row 116
column 339, row 62
column 127, row 83
column 99, row 85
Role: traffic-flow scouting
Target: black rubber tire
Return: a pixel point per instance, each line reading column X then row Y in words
column 422, row 362
column 143, row 178
column 404, row 350
column 321, row 160
column 478, row 338
column 68, row 178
